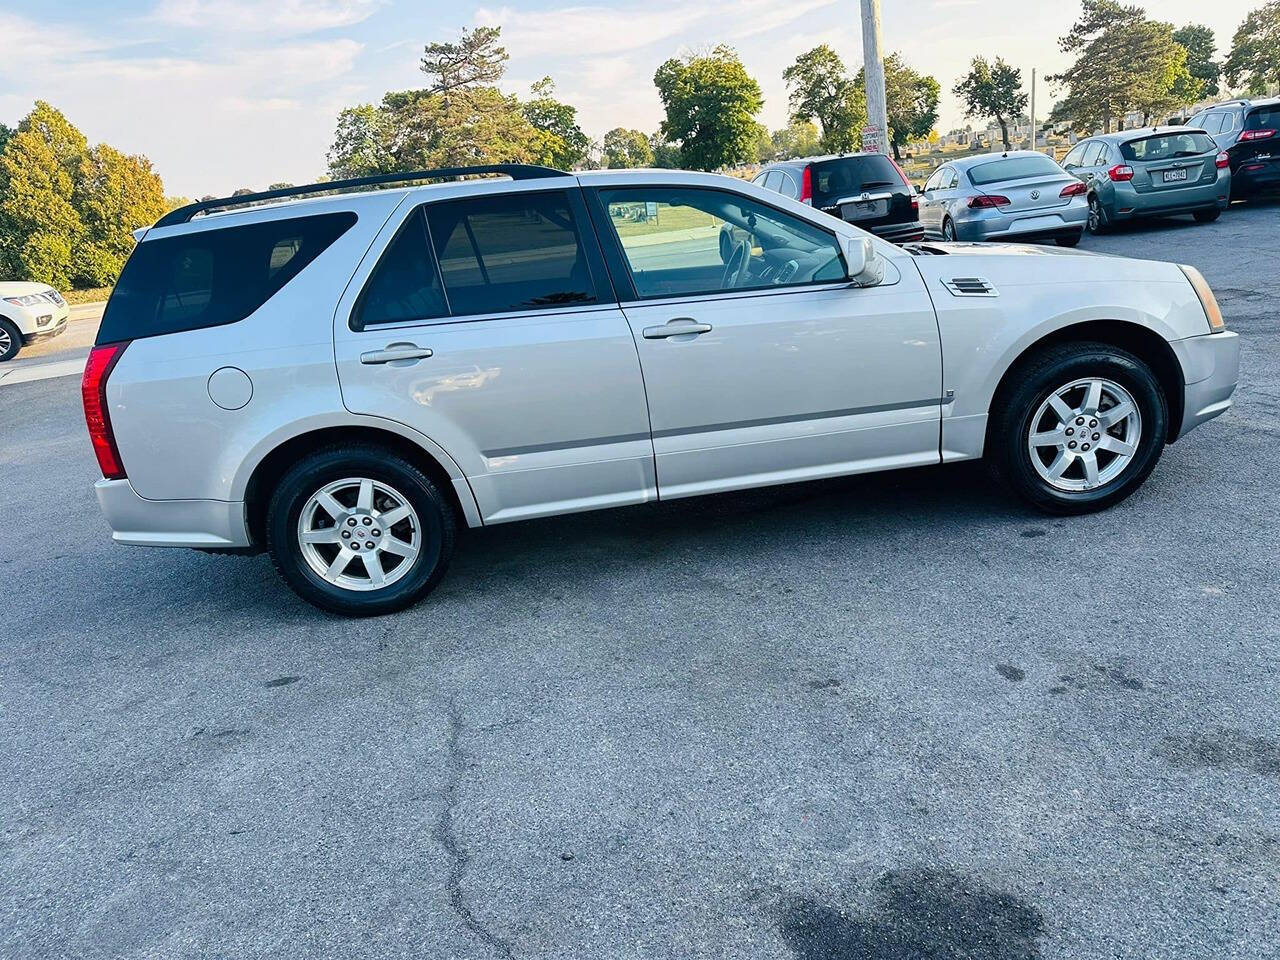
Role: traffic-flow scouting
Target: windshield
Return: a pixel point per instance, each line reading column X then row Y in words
column 1167, row 146
column 1013, row 168
column 844, row 177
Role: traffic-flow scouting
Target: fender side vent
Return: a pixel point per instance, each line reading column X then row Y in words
column 970, row 287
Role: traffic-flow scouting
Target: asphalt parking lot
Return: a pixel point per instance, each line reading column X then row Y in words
column 894, row 716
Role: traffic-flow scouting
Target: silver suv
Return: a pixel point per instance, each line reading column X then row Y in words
column 348, row 379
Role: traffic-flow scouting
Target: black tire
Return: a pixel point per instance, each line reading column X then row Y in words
column 10, row 340
column 1207, row 216
column 949, row 231
column 436, row 521
column 1098, row 222
column 1030, row 385
column 1070, row 239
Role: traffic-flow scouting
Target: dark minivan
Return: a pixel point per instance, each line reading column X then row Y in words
column 868, row 190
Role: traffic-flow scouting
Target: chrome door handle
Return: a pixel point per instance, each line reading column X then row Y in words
column 679, row 327
column 396, row 351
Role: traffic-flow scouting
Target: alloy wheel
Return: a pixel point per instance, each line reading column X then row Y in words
column 6, row 341
column 359, row 534
column 1085, row 434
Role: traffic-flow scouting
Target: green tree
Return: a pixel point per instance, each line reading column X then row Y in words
column 820, row 88
column 764, row 149
column 1200, row 44
column 459, row 119
column 711, row 102
column 666, row 155
column 561, row 142
column 1124, row 62
column 39, row 224
column 800, row 138
column 5, row 133
column 114, row 195
column 992, row 91
column 1255, row 50
column 624, row 149
column 911, row 100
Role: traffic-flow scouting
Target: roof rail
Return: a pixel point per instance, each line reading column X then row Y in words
column 516, row 171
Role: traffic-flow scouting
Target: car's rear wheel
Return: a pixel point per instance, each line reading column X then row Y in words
column 1081, row 427
column 948, row 230
column 10, row 340
column 1098, row 222
column 1207, row 216
column 1069, row 239
column 359, row 531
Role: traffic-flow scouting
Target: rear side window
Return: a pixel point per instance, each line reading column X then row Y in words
column 1013, row 168
column 510, row 252
column 213, row 277
column 1263, row 118
column 844, row 177
column 405, row 285
column 1167, row 146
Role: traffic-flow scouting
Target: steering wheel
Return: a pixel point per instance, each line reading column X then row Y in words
column 735, row 268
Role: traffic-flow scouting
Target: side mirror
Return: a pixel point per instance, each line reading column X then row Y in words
column 862, row 264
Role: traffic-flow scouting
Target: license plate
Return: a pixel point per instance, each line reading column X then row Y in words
column 1171, row 176
column 864, row 209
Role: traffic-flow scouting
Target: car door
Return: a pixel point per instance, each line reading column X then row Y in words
column 783, row 371
column 927, row 200
column 487, row 324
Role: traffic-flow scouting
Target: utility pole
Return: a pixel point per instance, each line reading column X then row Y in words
column 876, row 134
column 1033, row 108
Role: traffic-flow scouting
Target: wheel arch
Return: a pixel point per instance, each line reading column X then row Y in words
column 268, row 471
column 1142, row 342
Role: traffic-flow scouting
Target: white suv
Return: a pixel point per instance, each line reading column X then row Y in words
column 346, row 380
column 29, row 312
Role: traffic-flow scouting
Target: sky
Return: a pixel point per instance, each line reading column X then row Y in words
column 222, row 94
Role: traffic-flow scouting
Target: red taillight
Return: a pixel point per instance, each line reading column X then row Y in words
column 93, row 390
column 915, row 204
column 806, row 187
column 988, row 200
column 1222, row 161
column 1257, row 134
column 1076, row 189
column 1120, row 173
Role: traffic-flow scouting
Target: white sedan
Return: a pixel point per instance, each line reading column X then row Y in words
column 29, row 312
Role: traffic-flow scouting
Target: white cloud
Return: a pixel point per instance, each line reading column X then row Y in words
column 279, row 16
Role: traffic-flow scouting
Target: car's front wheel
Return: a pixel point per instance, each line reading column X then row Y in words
column 10, row 340
column 1081, row 427
column 359, row 530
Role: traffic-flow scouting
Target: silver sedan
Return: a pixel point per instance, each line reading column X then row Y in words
column 1021, row 196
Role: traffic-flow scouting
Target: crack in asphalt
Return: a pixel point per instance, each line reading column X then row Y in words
column 446, row 835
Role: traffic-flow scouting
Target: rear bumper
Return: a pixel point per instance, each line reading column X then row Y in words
column 994, row 225
column 170, row 523
column 1211, row 366
column 1129, row 203
column 1265, row 179
column 908, row 232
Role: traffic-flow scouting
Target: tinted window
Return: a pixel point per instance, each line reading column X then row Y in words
column 1013, row 168
column 518, row 251
column 771, row 181
column 1167, row 146
column 213, row 277
column 787, row 186
column 405, row 285
column 678, row 251
column 1213, row 123
column 1263, row 118
column 834, row 180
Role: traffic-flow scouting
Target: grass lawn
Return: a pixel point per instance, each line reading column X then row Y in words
column 669, row 219
column 87, row 296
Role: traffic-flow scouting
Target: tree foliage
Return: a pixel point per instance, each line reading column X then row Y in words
column 560, row 141
column 666, row 155
column 626, row 149
column 711, row 102
column 820, row 89
column 1255, row 50
column 911, row 100
column 1125, row 61
column 67, row 210
column 1200, row 44
column 460, row 118
column 800, row 138
column 992, row 91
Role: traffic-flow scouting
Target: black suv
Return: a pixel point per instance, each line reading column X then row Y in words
column 868, row 190
column 1249, row 131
